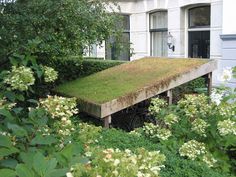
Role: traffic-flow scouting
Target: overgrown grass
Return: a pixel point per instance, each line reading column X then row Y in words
column 127, row 78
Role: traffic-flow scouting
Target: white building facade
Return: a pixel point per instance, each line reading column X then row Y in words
column 196, row 29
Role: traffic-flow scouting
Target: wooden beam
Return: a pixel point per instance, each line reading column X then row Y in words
column 170, row 96
column 107, row 121
column 209, row 83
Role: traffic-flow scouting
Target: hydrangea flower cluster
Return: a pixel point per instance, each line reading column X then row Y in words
column 227, row 110
column 192, row 149
column 216, row 96
column 121, row 163
column 20, row 78
column 156, row 106
column 226, row 74
column 226, row 127
column 199, row 126
column 154, row 131
column 194, row 105
column 4, row 104
column 50, row 75
column 60, row 107
column 170, row 119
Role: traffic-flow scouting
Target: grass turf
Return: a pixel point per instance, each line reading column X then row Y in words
column 127, row 78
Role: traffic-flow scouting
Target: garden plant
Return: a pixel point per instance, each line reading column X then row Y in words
column 44, row 137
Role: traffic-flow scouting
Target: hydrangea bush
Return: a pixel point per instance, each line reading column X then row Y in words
column 202, row 128
column 114, row 162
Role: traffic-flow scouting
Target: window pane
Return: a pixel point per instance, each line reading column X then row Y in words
column 114, row 50
column 93, row 50
column 123, row 23
column 199, row 17
column 159, row 44
column 158, row 20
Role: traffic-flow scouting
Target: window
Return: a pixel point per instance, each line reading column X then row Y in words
column 119, row 47
column 158, row 30
column 199, row 32
column 92, row 50
column 199, row 17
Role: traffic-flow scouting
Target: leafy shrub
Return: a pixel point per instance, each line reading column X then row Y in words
column 71, row 68
column 54, row 26
column 203, row 131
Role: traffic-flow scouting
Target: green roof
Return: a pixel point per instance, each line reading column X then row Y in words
column 127, row 78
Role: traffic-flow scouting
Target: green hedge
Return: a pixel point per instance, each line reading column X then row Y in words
column 71, row 68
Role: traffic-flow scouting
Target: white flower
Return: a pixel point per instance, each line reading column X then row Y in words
column 226, row 127
column 20, row 78
column 192, row 149
column 116, row 162
column 226, row 74
column 2, row 10
column 216, row 97
column 50, row 75
column 69, row 174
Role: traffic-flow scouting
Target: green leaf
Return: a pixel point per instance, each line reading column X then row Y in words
column 20, row 97
column 43, row 140
column 39, row 164
column 59, row 172
column 7, row 114
column 17, row 130
column 14, row 61
column 8, row 163
column 7, row 151
column 51, row 165
column 10, row 95
column 7, row 173
column 23, row 170
column 5, row 141
column 33, row 101
column 28, row 158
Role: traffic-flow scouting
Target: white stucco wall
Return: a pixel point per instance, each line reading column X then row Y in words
column 222, row 22
column 229, row 17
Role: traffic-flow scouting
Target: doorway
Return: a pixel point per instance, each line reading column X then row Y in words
column 199, row 44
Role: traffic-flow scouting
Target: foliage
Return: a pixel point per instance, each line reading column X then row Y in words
column 174, row 164
column 203, row 130
column 62, row 27
column 35, row 141
column 78, row 67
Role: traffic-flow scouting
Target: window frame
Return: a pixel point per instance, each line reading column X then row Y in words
column 189, row 18
column 153, row 30
column 124, row 31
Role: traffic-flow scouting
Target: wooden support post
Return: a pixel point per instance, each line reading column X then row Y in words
column 107, row 121
column 170, row 96
column 209, row 83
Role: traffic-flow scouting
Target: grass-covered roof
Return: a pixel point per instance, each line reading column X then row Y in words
column 127, row 78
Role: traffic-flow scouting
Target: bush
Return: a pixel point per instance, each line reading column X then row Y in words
column 174, row 166
column 71, row 68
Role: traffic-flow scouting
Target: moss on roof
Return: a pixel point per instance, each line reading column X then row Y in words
column 127, row 78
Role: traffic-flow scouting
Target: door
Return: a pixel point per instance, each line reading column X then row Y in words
column 199, row 44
